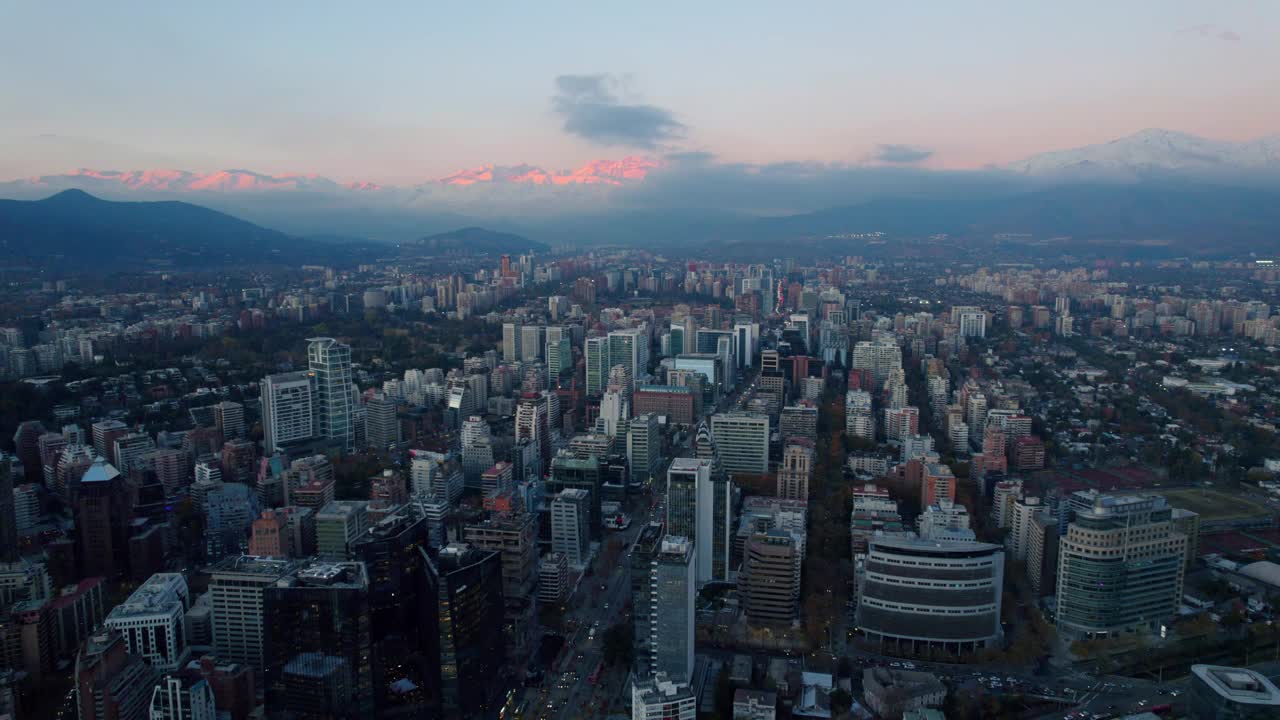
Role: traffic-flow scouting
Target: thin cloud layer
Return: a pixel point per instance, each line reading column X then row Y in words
column 592, row 110
column 901, row 154
column 1209, row 30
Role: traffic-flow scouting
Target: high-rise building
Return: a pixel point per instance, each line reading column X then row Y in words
column 228, row 417
column 472, row 648
column 513, row 534
column 858, row 419
column 799, row 421
column 1020, row 529
column 925, row 593
column 111, row 682
column 570, row 525
column 878, row 357
column 402, row 634
column 183, row 697
column 699, row 509
column 319, row 668
column 289, row 409
column 533, row 424
column 1120, row 567
column 382, row 426
column 102, row 515
column 596, row 354
column 644, row 446
column 742, row 439
column 129, row 449
column 151, row 621
column 769, row 581
column 937, row 483
column 796, row 469
column 630, row 349
column 330, row 362
column 237, row 585
column 586, row 473
column 662, row 697
column 105, row 433
column 338, row 525
column 8, row 510
column 512, row 338
column 643, row 558
column 945, row 520
column 1042, row 554
column 671, row 622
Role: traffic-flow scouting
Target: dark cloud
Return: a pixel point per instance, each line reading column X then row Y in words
column 592, row 110
column 1209, row 30
column 901, row 154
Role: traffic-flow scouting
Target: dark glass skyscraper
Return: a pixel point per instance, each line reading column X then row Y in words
column 318, row 644
column 468, row 596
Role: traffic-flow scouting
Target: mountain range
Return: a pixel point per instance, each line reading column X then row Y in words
column 1155, row 193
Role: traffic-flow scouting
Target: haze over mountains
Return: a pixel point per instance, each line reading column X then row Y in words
column 1160, row 191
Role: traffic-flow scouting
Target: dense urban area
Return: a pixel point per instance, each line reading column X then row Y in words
column 618, row 484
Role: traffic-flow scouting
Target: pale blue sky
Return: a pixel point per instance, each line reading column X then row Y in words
column 405, row 91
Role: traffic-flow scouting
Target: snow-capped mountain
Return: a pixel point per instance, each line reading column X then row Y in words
column 1155, row 152
column 596, row 172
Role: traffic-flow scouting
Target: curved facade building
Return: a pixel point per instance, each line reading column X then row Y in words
column 917, row 594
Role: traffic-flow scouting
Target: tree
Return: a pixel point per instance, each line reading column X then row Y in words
column 841, row 701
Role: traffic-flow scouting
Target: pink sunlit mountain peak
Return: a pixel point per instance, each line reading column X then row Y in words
column 596, row 172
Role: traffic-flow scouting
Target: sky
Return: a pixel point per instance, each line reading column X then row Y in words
column 400, row 92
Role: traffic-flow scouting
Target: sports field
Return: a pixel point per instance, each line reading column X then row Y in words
column 1212, row 504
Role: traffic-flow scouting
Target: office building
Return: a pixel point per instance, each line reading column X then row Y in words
column 237, row 585
column 642, row 561
column 1228, row 693
column 699, row 509
column 472, row 648
column 630, row 349
column 229, row 512
column 769, row 582
column 671, row 623
column 9, row 512
column 596, row 355
column 584, row 473
column 401, row 634
column 663, row 697
column 110, row 682
column 319, row 668
column 1120, row 567
column 743, row 442
column 513, row 534
column 644, row 446
column 130, row 449
column 570, row 525
column 917, row 594
column 330, row 362
column 105, row 433
column 796, row 469
column 553, row 579
column 338, row 524
column 680, row 405
column 512, row 342
column 183, row 697
column 151, row 621
column 435, row 476
column 799, row 421
column 533, row 341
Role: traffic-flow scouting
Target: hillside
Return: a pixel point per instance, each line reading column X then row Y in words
column 77, row 230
